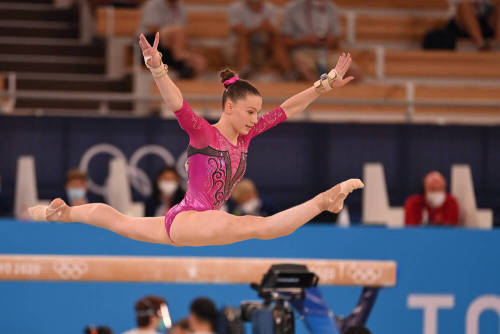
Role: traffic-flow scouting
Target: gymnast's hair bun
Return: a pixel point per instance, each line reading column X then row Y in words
column 226, row 74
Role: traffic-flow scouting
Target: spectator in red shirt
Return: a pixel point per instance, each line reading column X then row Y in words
column 434, row 206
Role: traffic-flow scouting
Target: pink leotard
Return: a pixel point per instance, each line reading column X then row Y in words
column 214, row 164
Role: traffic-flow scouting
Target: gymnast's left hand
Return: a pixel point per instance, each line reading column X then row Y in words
column 342, row 66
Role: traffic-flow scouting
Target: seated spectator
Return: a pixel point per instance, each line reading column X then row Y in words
column 434, row 206
column 150, row 316
column 180, row 327
column 203, row 316
column 255, row 37
column 312, row 33
column 169, row 18
column 76, row 187
column 166, row 192
column 247, row 200
column 477, row 19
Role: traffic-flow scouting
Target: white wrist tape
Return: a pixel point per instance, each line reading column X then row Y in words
column 146, row 58
column 156, row 71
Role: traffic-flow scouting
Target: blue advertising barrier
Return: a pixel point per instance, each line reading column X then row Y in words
column 448, row 279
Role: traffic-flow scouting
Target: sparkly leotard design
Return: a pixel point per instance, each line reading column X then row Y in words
column 214, row 164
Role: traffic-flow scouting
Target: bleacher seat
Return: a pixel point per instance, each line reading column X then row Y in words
column 462, row 187
column 274, row 93
column 26, row 193
column 395, row 28
column 118, row 188
column 444, row 64
column 376, row 207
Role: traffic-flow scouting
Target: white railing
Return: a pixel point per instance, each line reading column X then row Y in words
column 409, row 103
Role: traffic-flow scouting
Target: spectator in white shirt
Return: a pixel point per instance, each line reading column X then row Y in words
column 255, row 37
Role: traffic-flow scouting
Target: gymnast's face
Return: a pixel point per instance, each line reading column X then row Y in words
column 243, row 112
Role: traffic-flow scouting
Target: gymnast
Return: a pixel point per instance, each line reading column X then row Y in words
column 216, row 162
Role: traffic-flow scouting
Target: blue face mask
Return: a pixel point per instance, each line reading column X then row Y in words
column 75, row 194
column 161, row 326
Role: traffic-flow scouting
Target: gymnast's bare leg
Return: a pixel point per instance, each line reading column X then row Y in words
column 221, row 228
column 148, row 229
column 198, row 228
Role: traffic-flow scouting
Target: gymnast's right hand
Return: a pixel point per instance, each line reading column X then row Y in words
column 150, row 51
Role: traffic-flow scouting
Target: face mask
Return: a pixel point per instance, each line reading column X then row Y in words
column 75, row 194
column 161, row 328
column 165, row 321
column 168, row 187
column 251, row 206
column 435, row 198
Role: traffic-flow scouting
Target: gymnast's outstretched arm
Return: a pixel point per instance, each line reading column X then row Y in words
column 299, row 102
column 169, row 91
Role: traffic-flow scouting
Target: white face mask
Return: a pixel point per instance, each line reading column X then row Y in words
column 435, row 198
column 251, row 206
column 168, row 187
column 76, row 194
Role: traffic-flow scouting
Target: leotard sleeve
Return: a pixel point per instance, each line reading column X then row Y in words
column 267, row 121
column 198, row 129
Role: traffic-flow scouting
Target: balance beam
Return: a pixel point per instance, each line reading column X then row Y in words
column 217, row 270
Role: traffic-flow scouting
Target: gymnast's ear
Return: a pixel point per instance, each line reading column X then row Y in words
column 228, row 107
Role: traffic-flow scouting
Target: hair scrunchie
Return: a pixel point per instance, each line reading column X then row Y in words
column 230, row 81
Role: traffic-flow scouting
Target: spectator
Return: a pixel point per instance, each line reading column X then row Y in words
column 169, row 18
column 203, row 316
column 97, row 330
column 434, row 206
column 76, row 187
column 151, row 316
column 312, row 33
column 180, row 327
column 477, row 19
column 166, row 192
column 357, row 330
column 247, row 200
column 255, row 36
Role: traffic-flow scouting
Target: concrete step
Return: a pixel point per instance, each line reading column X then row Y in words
column 97, row 49
column 75, row 85
column 24, row 12
column 61, row 104
column 26, row 1
column 47, row 32
column 13, row 65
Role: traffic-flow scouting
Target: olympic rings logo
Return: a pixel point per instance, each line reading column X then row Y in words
column 138, row 178
column 366, row 275
column 70, row 270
